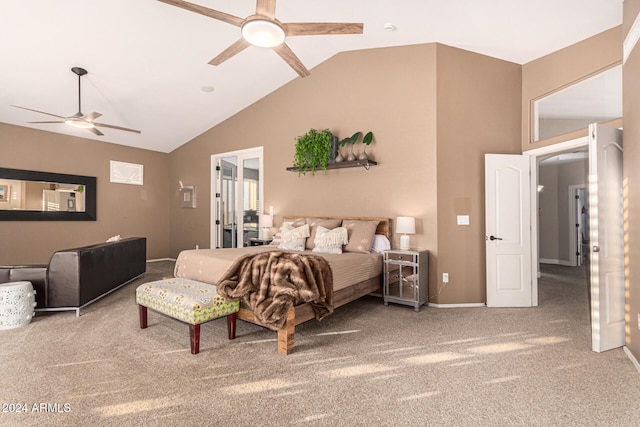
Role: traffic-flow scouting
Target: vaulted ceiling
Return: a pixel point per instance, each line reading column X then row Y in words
column 147, row 61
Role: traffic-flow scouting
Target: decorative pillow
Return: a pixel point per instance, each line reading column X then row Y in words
column 296, row 222
column 293, row 238
column 314, row 223
column 330, row 241
column 380, row 243
column 360, row 235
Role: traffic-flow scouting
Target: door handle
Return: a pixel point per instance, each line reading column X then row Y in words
column 495, row 238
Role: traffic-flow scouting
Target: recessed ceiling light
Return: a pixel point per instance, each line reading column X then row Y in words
column 389, row 27
column 207, row 88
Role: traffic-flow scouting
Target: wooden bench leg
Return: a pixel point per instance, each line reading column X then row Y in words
column 194, row 333
column 142, row 311
column 231, row 325
column 286, row 334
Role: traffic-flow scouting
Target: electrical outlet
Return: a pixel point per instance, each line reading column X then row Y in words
column 445, row 279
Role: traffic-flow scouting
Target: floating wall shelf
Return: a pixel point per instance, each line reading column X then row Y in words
column 341, row 165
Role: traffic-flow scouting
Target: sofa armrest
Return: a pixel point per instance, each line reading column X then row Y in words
column 36, row 274
column 64, row 279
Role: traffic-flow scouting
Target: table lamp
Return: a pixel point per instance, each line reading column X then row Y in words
column 266, row 222
column 405, row 225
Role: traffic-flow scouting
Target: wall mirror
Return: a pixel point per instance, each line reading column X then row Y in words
column 44, row 196
column 596, row 99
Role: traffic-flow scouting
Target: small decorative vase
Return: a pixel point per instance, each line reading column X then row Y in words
column 351, row 157
column 339, row 158
column 334, row 149
column 363, row 156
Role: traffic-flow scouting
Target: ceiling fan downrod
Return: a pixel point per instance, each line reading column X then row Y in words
column 80, row 72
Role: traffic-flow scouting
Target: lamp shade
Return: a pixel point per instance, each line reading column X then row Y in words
column 266, row 220
column 406, row 225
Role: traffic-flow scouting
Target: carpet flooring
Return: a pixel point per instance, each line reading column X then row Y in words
column 367, row 364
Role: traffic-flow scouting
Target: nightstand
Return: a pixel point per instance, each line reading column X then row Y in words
column 406, row 277
column 258, row 242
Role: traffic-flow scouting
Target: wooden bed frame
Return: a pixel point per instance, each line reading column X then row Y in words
column 302, row 313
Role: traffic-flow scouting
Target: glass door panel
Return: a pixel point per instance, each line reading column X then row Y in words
column 237, row 180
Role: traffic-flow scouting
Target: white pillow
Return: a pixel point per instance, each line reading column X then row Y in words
column 380, row 244
column 293, row 238
column 330, row 241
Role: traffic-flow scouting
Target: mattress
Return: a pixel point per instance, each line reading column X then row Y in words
column 208, row 265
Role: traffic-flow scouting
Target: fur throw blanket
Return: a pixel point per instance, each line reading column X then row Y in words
column 273, row 282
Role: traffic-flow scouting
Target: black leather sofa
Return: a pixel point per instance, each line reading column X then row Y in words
column 77, row 277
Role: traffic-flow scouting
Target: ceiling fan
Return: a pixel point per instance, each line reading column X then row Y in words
column 79, row 120
column 264, row 30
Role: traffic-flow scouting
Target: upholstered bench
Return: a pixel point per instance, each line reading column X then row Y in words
column 189, row 301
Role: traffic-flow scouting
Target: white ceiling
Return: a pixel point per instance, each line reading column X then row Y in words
column 147, row 60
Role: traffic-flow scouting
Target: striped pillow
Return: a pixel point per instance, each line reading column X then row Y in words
column 361, row 235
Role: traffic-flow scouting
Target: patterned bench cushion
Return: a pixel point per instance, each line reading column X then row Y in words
column 187, row 300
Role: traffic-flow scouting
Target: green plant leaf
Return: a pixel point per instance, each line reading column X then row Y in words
column 354, row 137
column 368, row 138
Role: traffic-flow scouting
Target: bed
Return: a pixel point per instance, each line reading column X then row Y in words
column 356, row 272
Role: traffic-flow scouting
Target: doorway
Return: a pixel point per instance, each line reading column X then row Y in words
column 237, row 197
column 605, row 212
column 562, row 196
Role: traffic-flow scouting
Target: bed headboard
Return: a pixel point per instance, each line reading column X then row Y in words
column 384, row 225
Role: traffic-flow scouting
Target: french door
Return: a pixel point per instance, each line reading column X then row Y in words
column 236, row 199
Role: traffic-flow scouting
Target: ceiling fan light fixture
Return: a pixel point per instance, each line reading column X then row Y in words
column 80, row 124
column 263, row 33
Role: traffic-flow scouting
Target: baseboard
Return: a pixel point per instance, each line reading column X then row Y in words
column 161, row 259
column 632, row 358
column 473, row 304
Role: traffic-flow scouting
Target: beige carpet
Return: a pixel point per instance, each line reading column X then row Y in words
column 366, row 365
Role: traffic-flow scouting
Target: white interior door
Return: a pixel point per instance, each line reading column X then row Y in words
column 607, row 238
column 508, row 230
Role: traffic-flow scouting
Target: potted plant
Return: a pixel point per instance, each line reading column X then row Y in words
column 366, row 140
column 313, row 150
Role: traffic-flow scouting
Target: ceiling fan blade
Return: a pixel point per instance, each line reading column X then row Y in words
column 294, row 62
column 319, row 28
column 41, row 112
column 91, row 116
column 58, row 121
column 96, row 131
column 235, row 48
column 266, row 8
column 211, row 13
column 104, row 125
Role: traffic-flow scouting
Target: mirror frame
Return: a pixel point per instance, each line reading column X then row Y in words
column 90, row 185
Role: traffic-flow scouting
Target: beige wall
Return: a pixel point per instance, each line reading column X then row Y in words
column 429, row 166
column 631, row 165
column 128, row 210
column 562, row 68
column 388, row 91
column 478, row 113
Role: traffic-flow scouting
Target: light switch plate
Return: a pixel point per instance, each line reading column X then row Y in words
column 463, row 219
